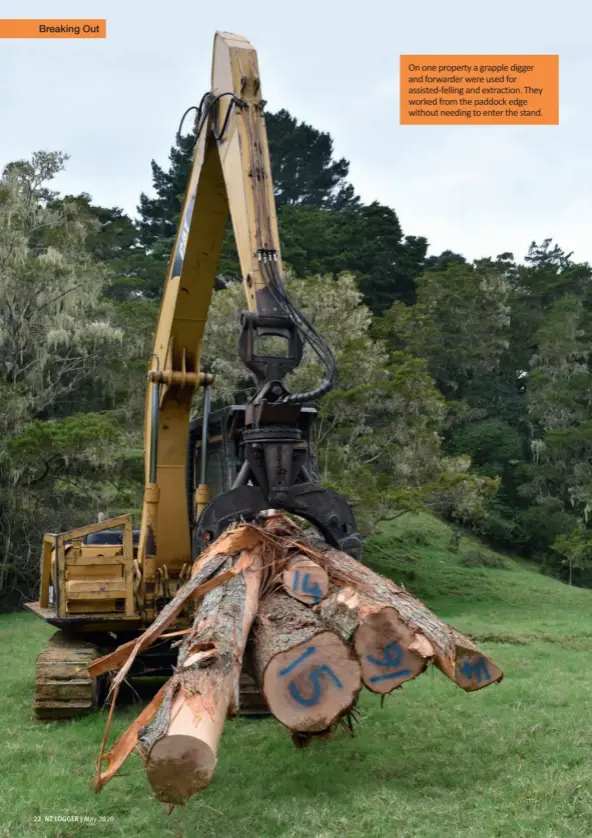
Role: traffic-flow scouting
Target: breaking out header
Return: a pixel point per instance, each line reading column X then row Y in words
column 41, row 28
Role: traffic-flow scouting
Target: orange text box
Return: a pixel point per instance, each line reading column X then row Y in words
column 479, row 90
column 41, row 28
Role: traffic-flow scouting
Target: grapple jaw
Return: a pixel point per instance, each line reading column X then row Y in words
column 259, row 458
column 326, row 510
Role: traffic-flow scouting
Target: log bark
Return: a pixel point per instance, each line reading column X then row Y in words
column 209, row 565
column 455, row 655
column 305, row 580
column 180, row 744
column 309, row 676
column 204, row 569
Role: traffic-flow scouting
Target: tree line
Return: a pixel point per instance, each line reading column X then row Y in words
column 463, row 386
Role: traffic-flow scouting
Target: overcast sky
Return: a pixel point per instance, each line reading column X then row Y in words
column 115, row 104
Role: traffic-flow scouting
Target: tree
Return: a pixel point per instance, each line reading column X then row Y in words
column 366, row 241
column 575, row 550
column 443, row 261
column 305, row 173
column 112, row 238
column 459, row 324
column 324, row 227
column 547, row 275
column 159, row 216
column 559, row 408
column 56, row 336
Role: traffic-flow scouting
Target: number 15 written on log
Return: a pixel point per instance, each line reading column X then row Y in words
column 314, row 676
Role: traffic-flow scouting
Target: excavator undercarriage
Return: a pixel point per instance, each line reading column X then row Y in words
column 63, row 687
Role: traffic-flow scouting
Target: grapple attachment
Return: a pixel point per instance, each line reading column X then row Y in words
column 252, row 469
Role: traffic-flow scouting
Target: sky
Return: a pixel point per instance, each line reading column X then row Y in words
column 115, row 104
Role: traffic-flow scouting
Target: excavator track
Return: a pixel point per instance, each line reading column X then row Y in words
column 252, row 702
column 63, row 687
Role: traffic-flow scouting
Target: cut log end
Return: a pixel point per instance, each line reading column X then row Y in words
column 305, row 580
column 178, row 767
column 311, row 685
column 390, row 652
column 475, row 671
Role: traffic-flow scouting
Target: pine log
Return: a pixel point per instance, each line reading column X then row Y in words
column 309, row 676
column 455, row 655
column 305, row 580
column 473, row 669
column 390, row 652
column 207, row 574
column 180, row 744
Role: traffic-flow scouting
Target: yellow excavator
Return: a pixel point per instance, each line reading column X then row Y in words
column 104, row 583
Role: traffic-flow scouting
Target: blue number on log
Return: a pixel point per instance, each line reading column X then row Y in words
column 393, row 656
column 313, row 590
column 314, row 677
column 478, row 669
column 286, row 670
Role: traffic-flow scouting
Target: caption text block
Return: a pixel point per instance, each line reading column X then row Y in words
column 479, row 90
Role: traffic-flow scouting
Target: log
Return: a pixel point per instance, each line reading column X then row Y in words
column 180, row 744
column 305, row 580
column 390, row 652
column 215, row 557
column 309, row 676
column 473, row 669
column 455, row 655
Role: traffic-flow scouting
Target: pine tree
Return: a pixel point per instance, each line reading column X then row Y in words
column 159, row 216
column 324, row 227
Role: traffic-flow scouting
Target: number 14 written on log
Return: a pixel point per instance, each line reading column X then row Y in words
column 313, row 590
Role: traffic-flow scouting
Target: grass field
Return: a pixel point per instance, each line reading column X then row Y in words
column 512, row 760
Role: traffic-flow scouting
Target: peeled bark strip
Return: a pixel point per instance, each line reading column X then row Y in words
column 127, row 742
column 305, row 580
column 180, row 744
column 456, row 656
column 309, row 676
column 390, row 652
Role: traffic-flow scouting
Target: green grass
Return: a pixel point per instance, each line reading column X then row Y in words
column 512, row 760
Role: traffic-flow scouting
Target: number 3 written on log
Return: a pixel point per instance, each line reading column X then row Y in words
column 393, row 657
column 314, row 677
column 313, row 590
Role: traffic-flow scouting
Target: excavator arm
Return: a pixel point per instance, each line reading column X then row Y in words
column 230, row 175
